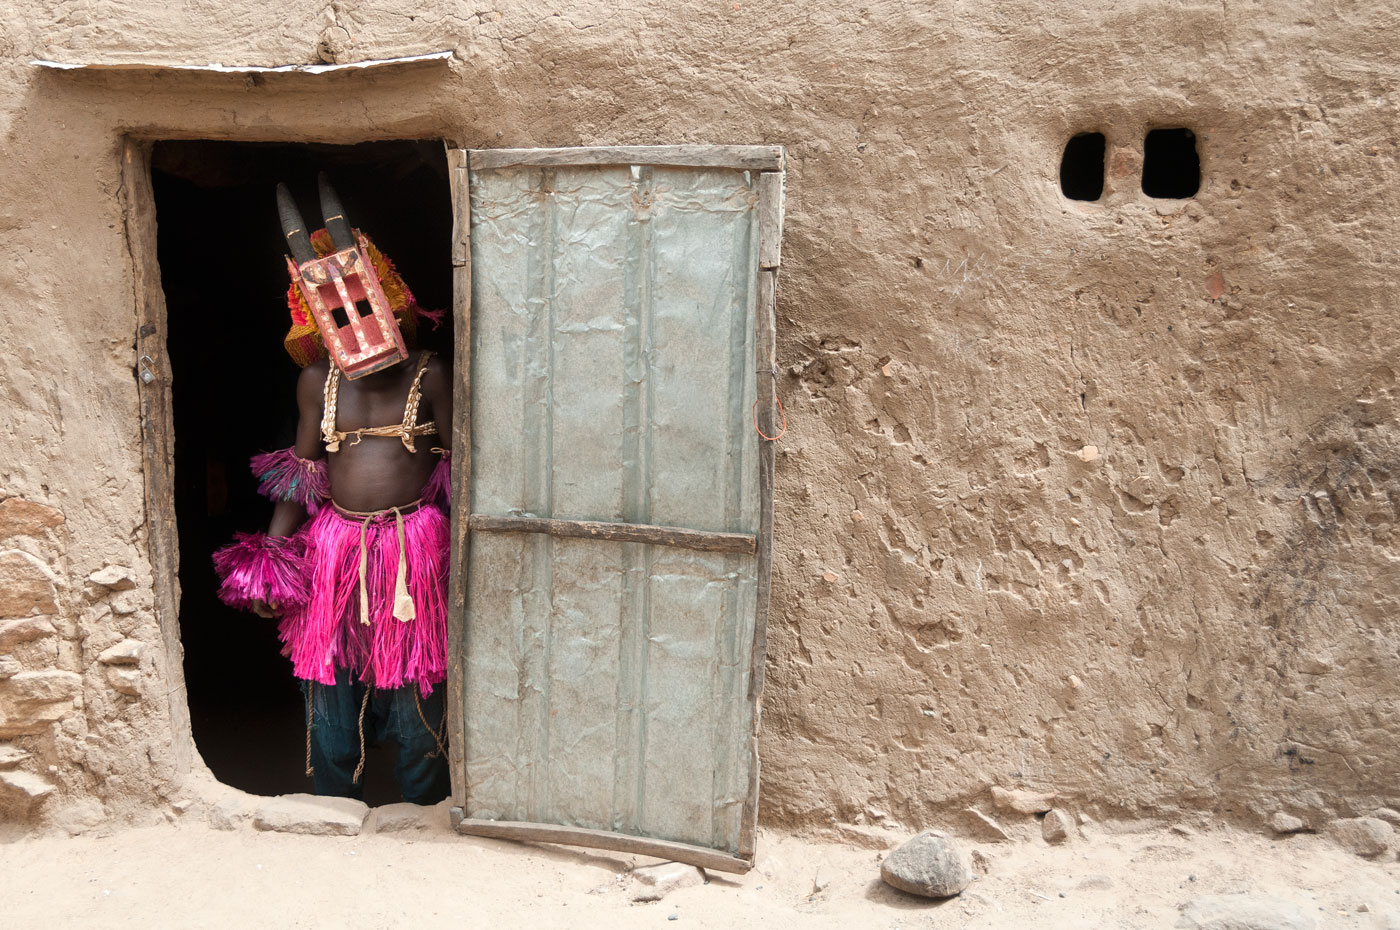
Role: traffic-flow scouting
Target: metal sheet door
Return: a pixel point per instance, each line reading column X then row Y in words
column 616, row 556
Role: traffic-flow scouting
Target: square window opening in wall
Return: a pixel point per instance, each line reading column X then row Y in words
column 1171, row 165
column 1082, row 166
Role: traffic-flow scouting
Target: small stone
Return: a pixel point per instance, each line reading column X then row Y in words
column 1023, row 802
column 399, row 818
column 1181, row 829
column 19, row 517
column 1088, row 454
column 1243, row 912
column 11, row 756
column 182, row 805
column 9, row 667
column 23, row 789
column 1057, row 826
column 228, row 814
column 113, row 577
column 125, row 679
column 312, row 815
column 1282, row 823
column 125, row 603
column 931, row 864
column 126, row 652
column 1365, row 836
column 25, row 587
column 1388, row 814
column 14, row 632
column 1096, row 883
column 654, row 882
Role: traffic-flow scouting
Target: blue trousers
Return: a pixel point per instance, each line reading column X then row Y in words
column 390, row 714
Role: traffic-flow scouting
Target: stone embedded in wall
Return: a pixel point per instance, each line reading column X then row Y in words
column 23, row 789
column 111, row 578
column 1023, row 802
column 9, row 667
column 19, row 517
column 126, row 652
column 11, row 756
column 1283, row 823
column 14, row 632
column 124, row 679
column 25, row 586
column 31, row 701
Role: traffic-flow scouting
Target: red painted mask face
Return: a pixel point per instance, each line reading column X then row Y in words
column 342, row 289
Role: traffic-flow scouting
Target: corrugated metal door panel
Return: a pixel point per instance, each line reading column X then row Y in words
column 606, row 684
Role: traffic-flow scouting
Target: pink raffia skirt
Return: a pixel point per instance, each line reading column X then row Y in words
column 396, row 633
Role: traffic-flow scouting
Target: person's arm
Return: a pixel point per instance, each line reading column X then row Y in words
column 288, row 515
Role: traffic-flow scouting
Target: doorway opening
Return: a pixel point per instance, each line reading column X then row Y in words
column 223, row 272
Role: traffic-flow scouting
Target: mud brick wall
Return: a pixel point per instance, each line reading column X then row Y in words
column 1097, row 498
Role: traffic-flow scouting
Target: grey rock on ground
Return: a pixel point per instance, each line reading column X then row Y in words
column 1243, row 912
column 1365, row 836
column 654, row 882
column 309, row 814
column 1057, row 826
column 931, row 864
column 1286, row 823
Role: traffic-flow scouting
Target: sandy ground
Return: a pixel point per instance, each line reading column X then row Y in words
column 186, row 875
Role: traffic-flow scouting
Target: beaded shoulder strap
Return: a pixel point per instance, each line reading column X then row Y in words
column 405, row 431
column 329, row 397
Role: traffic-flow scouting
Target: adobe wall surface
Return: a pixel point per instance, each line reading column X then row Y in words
column 1098, row 498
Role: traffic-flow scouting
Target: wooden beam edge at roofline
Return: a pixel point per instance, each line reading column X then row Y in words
column 702, row 540
column 748, row 157
column 601, row 839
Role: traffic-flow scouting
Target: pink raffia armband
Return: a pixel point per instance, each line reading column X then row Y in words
column 258, row 567
column 438, row 490
column 282, row 476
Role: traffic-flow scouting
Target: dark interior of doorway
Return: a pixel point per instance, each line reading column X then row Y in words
column 233, row 388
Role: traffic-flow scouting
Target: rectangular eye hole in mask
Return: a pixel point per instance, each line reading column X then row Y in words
column 363, row 307
column 338, row 314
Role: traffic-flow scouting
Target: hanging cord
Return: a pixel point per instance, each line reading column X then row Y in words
column 754, row 412
column 309, row 770
column 359, row 769
column 437, row 734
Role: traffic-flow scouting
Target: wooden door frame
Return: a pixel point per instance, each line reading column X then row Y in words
column 769, row 162
column 157, row 434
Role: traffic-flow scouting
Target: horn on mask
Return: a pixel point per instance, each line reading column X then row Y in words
column 294, row 227
column 336, row 223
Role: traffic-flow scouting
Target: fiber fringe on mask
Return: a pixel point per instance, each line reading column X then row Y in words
column 326, row 633
column 257, row 567
column 282, row 476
